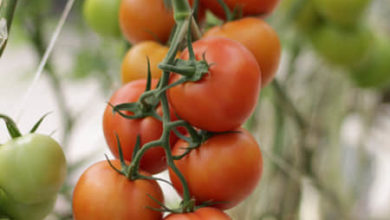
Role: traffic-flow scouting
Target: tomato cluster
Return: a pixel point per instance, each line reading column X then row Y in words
column 337, row 33
column 182, row 109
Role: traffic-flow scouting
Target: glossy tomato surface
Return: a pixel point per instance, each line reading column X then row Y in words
column 259, row 37
column 206, row 213
column 225, row 169
column 135, row 65
column 227, row 95
column 248, row 7
column 148, row 128
column 102, row 193
column 142, row 20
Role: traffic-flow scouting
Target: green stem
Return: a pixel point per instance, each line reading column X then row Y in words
column 182, row 10
column 228, row 13
column 7, row 9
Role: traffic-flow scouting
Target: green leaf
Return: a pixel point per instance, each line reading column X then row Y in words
column 36, row 126
column 11, row 126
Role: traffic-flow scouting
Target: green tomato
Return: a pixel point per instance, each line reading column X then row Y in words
column 103, row 16
column 340, row 46
column 305, row 16
column 374, row 72
column 343, row 12
column 32, row 168
column 18, row 211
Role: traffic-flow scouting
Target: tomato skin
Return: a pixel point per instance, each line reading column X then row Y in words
column 102, row 193
column 142, row 20
column 135, row 65
column 225, row 168
column 345, row 12
column 32, row 168
column 340, row 46
column 249, row 7
column 222, row 102
column 102, row 16
column 206, row 213
column 148, row 128
column 259, row 38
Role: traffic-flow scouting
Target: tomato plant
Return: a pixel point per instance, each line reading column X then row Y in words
column 225, row 169
column 248, row 7
column 259, row 38
column 149, row 128
column 102, row 16
column 142, row 20
column 222, row 103
column 200, row 214
column 340, row 46
column 102, row 193
column 345, row 12
column 135, row 65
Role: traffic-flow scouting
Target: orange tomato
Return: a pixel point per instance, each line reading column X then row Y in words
column 135, row 65
column 259, row 37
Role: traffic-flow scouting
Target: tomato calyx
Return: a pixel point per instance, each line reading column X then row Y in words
column 13, row 129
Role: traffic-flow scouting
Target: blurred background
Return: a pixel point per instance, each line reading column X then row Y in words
column 323, row 126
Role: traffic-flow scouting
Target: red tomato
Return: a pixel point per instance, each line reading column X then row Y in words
column 259, row 38
column 249, row 7
column 206, row 213
column 148, row 128
column 226, row 168
column 102, row 193
column 227, row 95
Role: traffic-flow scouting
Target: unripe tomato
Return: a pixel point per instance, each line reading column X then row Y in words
column 102, row 16
column 21, row 211
column 225, row 169
column 346, row 12
column 307, row 19
column 149, row 128
column 227, row 95
column 346, row 47
column 259, row 38
column 32, row 168
column 135, row 65
column 102, row 193
column 206, row 213
column 374, row 72
column 142, row 20
column 248, row 7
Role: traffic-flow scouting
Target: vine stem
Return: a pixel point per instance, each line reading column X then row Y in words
column 7, row 9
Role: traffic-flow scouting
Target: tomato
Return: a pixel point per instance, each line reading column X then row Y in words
column 342, row 46
column 32, row 171
column 32, row 168
column 142, row 20
column 102, row 193
column 200, row 214
column 374, row 72
column 148, row 128
column 225, row 169
column 249, row 7
column 227, row 95
column 102, row 16
column 345, row 12
column 306, row 19
column 259, row 38
column 135, row 65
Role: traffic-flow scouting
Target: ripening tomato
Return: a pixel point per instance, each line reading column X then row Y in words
column 135, row 65
column 225, row 169
column 102, row 16
column 248, row 7
column 102, row 193
column 374, row 71
column 345, row 47
column 142, row 20
column 259, row 38
column 205, row 213
column 149, row 128
column 346, row 12
column 227, row 95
